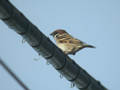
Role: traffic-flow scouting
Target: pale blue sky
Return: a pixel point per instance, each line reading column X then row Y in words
column 96, row 22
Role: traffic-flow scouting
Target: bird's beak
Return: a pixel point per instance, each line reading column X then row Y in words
column 51, row 34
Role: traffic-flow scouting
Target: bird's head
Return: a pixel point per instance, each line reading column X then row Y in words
column 58, row 32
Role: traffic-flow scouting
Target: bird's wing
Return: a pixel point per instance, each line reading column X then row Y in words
column 75, row 41
column 64, row 38
column 67, row 38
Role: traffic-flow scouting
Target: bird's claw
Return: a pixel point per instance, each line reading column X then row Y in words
column 23, row 41
column 72, row 85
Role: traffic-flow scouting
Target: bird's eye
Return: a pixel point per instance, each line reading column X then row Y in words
column 56, row 33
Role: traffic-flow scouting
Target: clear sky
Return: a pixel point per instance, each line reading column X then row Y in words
column 96, row 22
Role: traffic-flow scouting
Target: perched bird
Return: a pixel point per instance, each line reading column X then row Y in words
column 67, row 43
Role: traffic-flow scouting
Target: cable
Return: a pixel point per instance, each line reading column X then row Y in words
column 13, row 75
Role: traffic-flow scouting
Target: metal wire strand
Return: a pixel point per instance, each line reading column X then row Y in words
column 15, row 77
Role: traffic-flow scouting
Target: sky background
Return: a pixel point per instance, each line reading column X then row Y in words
column 96, row 22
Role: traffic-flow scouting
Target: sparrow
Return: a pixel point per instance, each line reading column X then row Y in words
column 67, row 43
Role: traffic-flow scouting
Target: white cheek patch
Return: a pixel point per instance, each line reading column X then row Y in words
column 56, row 36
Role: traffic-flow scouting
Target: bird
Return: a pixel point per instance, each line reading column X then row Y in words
column 67, row 43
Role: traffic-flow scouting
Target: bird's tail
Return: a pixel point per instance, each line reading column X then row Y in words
column 88, row 46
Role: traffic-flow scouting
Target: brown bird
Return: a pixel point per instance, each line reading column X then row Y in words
column 67, row 43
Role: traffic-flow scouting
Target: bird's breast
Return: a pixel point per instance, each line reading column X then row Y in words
column 65, row 47
column 62, row 46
